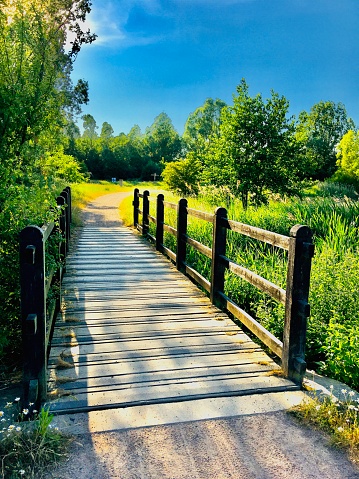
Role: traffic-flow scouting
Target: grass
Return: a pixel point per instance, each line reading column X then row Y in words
column 28, row 447
column 84, row 193
column 337, row 417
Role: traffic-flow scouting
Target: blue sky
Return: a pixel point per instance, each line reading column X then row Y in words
column 154, row 56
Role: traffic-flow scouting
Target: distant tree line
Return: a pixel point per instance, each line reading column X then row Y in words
column 251, row 147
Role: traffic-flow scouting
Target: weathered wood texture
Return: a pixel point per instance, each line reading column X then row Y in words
column 295, row 297
column 136, row 331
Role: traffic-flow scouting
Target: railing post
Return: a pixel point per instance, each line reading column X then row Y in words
column 160, row 218
column 60, row 200
column 297, row 309
column 136, row 204
column 33, row 313
column 65, row 195
column 145, row 212
column 218, row 249
column 181, row 231
column 68, row 189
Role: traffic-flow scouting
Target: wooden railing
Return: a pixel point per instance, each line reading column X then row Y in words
column 40, row 281
column 295, row 297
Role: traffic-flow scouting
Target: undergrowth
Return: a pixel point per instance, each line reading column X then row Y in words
column 338, row 417
column 29, row 447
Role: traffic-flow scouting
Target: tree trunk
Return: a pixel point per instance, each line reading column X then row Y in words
column 244, row 199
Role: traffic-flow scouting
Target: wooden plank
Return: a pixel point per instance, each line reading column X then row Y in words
column 124, row 330
column 161, row 378
column 174, row 366
column 201, row 280
column 169, row 253
column 176, row 393
column 200, row 214
column 199, row 247
column 169, row 229
column 157, row 341
column 75, row 355
column 172, row 206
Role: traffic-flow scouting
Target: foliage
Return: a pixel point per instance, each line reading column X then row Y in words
column 319, row 131
column 332, row 189
column 348, row 158
column 28, row 448
column 37, row 101
column 203, row 124
column 256, row 149
column 338, row 417
column 57, row 165
column 24, row 205
column 341, row 348
column 128, row 156
column 162, row 143
column 182, row 176
column 35, row 83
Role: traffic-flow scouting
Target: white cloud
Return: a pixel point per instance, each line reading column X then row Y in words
column 108, row 20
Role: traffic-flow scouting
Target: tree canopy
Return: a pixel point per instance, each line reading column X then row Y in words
column 203, row 123
column 255, row 151
column 348, row 158
column 36, row 91
column 320, row 131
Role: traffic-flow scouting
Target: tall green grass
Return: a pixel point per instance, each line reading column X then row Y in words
column 333, row 328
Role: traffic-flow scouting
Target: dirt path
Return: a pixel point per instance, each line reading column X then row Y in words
column 250, row 446
column 264, row 446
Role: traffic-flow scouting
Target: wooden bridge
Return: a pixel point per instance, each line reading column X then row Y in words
column 133, row 330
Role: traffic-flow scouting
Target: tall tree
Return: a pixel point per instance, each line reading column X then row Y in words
column 35, row 82
column 90, row 127
column 203, row 123
column 162, row 142
column 348, row 158
column 320, row 131
column 256, row 149
column 106, row 131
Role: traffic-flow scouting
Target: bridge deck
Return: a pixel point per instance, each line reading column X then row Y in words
column 135, row 331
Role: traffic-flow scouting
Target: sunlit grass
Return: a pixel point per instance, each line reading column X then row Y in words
column 29, row 447
column 83, row 193
column 338, row 417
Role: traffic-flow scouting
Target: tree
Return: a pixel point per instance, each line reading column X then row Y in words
column 90, row 127
column 106, row 131
column 319, row 131
column 183, row 176
column 348, row 158
column 203, row 123
column 162, row 142
column 61, row 166
column 35, row 84
column 256, row 149
column 37, row 100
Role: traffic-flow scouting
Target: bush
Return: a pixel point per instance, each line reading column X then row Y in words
column 182, row 176
column 24, row 205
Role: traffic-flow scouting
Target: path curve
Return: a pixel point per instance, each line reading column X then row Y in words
column 104, row 210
